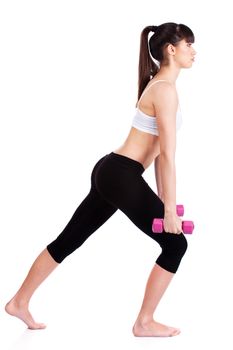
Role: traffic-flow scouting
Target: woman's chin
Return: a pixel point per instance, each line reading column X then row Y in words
column 189, row 64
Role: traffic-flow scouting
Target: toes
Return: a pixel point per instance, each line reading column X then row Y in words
column 42, row 325
column 175, row 331
column 37, row 326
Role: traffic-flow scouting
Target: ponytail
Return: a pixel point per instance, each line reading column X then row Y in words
column 147, row 68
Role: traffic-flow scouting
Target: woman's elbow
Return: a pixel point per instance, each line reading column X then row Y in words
column 167, row 155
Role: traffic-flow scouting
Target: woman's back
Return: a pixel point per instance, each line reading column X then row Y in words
column 143, row 142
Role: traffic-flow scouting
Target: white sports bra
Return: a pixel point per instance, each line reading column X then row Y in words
column 147, row 123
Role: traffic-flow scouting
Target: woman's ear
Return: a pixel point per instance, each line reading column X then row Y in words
column 171, row 49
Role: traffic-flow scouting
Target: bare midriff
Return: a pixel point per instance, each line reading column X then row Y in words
column 140, row 146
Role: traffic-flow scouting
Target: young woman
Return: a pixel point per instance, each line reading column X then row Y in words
column 117, row 182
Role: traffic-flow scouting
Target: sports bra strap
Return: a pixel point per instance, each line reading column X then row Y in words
column 149, row 88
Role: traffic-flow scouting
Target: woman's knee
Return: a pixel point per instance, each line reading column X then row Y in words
column 181, row 245
column 173, row 250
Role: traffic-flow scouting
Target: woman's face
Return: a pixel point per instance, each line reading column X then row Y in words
column 184, row 54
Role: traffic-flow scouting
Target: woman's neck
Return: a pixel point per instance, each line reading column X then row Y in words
column 168, row 73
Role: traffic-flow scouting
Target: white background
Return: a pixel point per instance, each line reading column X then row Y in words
column 68, row 87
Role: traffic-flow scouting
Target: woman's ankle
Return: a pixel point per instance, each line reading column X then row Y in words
column 144, row 319
column 19, row 301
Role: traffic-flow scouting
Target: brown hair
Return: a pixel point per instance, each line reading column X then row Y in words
column 164, row 34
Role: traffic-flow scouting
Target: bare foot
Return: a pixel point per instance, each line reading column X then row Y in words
column 21, row 311
column 153, row 329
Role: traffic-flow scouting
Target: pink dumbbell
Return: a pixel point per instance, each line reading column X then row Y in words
column 180, row 210
column 187, row 226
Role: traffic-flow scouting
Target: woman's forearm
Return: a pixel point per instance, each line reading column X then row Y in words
column 158, row 177
column 168, row 180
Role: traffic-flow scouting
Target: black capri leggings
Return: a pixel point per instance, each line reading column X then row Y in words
column 117, row 183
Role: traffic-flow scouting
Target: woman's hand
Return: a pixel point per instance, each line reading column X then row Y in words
column 172, row 223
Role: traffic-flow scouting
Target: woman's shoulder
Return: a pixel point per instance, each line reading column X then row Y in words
column 163, row 89
column 160, row 87
column 162, row 94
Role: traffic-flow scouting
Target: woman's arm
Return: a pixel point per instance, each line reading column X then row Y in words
column 166, row 104
column 158, row 178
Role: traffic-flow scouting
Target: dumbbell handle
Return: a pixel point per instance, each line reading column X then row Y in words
column 187, row 226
